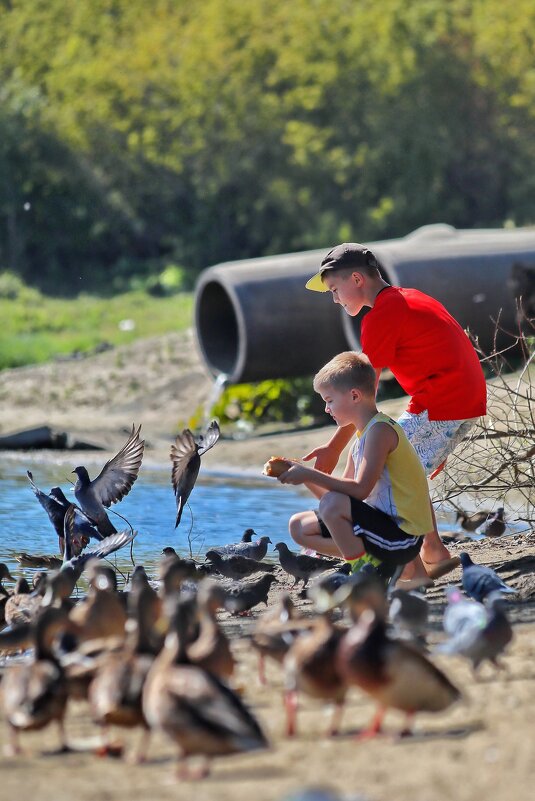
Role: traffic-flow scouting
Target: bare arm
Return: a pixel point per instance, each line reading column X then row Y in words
column 380, row 441
column 327, row 456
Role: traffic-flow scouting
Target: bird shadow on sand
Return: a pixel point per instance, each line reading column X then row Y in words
column 451, row 733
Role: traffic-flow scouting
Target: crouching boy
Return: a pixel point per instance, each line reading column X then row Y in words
column 380, row 510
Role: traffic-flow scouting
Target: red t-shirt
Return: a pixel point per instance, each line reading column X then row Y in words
column 427, row 351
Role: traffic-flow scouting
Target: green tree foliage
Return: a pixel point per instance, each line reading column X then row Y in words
column 143, row 134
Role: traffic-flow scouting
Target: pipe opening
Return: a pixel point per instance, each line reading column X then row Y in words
column 217, row 328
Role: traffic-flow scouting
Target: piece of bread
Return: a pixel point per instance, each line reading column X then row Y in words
column 276, row 466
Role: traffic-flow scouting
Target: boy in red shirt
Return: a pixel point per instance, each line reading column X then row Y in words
column 429, row 354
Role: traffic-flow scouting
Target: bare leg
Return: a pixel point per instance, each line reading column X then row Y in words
column 336, row 511
column 304, row 530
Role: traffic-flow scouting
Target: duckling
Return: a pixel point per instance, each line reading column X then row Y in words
column 211, row 650
column 35, row 694
column 193, row 708
column 310, row 666
column 393, row 672
column 115, row 692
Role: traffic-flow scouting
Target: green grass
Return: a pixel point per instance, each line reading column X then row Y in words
column 35, row 328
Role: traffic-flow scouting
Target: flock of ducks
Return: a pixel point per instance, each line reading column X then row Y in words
column 154, row 655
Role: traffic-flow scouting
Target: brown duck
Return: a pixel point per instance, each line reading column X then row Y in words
column 211, row 650
column 197, row 711
column 275, row 632
column 35, row 694
column 310, row 667
column 394, row 673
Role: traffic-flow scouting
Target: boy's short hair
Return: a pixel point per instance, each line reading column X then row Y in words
column 348, row 370
column 347, row 258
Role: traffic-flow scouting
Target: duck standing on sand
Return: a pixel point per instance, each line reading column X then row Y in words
column 394, row 673
column 197, row 711
column 35, row 694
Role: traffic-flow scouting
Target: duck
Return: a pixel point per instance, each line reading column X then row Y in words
column 22, row 606
column 35, row 694
column 472, row 521
column 211, row 649
column 275, row 632
column 116, row 690
column 310, row 666
column 197, row 711
column 394, row 673
column 102, row 613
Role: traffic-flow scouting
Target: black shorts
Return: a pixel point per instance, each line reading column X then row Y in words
column 382, row 536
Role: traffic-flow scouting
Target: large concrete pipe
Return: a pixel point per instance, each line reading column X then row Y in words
column 255, row 320
column 470, row 272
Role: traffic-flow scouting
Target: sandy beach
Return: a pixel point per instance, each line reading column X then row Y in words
column 481, row 748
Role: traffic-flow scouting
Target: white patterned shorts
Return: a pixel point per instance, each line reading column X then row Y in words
column 433, row 440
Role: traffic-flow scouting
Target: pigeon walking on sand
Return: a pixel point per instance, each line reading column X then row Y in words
column 236, row 567
column 478, row 632
column 112, row 484
column 185, row 456
column 252, row 550
column 241, row 598
column 301, row 566
column 479, row 581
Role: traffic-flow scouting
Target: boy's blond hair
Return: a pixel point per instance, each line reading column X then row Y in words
column 348, row 370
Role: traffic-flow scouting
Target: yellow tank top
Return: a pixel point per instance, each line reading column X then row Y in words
column 401, row 490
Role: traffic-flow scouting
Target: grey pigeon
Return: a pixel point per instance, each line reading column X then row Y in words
column 243, row 597
column 300, row 565
column 494, row 526
column 55, row 505
column 471, row 521
column 478, row 632
column 252, row 550
column 112, row 484
column 236, row 567
column 479, row 581
column 323, row 588
column 409, row 614
column 185, row 456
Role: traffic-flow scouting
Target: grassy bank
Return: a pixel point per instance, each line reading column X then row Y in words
column 35, row 328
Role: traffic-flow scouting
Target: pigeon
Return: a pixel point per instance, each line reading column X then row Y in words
column 478, row 632
column 393, row 672
column 112, row 484
column 243, row 597
column 322, row 589
column 479, row 581
column 185, row 456
column 494, row 525
column 252, row 550
column 409, row 614
column 301, row 566
column 77, row 562
column 55, row 505
column 471, row 522
column 236, row 567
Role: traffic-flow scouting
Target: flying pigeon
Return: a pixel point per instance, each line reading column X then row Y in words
column 185, row 456
column 480, row 581
column 112, row 484
column 55, row 505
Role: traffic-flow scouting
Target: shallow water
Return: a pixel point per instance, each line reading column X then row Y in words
column 221, row 508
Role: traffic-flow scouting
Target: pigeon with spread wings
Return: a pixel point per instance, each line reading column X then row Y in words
column 186, row 455
column 113, row 483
